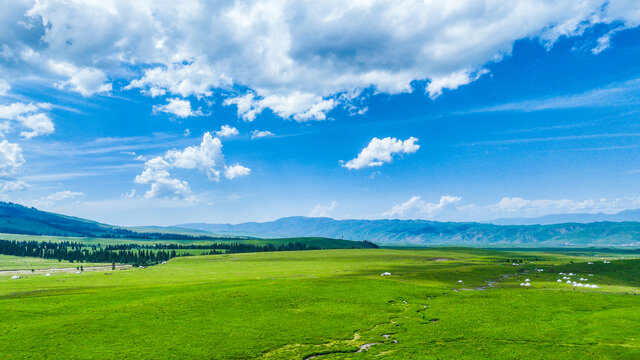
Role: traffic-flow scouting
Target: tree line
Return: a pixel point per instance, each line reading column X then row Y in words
column 134, row 254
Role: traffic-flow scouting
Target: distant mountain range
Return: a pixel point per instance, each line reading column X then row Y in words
column 18, row 219
column 627, row 215
column 424, row 232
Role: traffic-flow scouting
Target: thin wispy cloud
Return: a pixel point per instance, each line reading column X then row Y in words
column 552, row 139
column 621, row 94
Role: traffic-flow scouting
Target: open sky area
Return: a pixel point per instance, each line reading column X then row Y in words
column 134, row 113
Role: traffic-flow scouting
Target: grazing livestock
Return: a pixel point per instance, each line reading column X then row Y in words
column 15, row 277
column 386, row 273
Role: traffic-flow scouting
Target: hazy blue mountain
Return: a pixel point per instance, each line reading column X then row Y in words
column 422, row 232
column 627, row 215
column 20, row 219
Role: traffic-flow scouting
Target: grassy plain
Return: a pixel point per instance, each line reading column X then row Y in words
column 309, row 241
column 27, row 263
column 330, row 303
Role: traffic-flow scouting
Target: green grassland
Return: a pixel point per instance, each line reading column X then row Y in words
column 27, row 263
column 328, row 304
column 309, row 241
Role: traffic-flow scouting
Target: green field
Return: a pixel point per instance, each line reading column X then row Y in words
column 20, row 263
column 309, row 241
column 293, row 305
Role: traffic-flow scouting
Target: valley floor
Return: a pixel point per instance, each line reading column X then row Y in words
column 331, row 304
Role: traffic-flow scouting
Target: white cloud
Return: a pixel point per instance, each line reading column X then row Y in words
column 257, row 134
column 130, row 195
column 452, row 81
column 28, row 116
column 507, row 206
column 301, row 106
column 206, row 157
column 380, row 151
column 162, row 185
column 49, row 201
column 195, row 78
column 84, row 80
column 39, row 124
column 178, row 107
column 4, row 87
column 13, row 185
column 451, row 208
column 168, row 188
column 293, row 58
column 323, row 210
column 10, row 158
column 234, row 171
column 247, row 107
column 227, row 131
column 418, row 208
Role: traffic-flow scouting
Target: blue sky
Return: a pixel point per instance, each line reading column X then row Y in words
column 484, row 110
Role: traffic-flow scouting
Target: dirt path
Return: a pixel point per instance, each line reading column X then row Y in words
column 62, row 270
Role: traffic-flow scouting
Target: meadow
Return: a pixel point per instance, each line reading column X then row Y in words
column 332, row 304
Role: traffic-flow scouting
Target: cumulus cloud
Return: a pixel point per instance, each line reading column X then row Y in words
column 234, row 171
column 39, row 124
column 417, row 208
column 451, row 208
column 301, row 106
column 452, row 81
column 380, row 151
column 509, row 206
column 227, row 131
column 84, row 80
column 29, row 116
column 257, row 134
column 296, row 59
column 10, row 158
column 162, row 185
column 178, row 107
column 323, row 210
column 206, row 157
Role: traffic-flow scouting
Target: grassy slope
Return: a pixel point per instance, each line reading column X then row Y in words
column 25, row 263
column 325, row 243
column 293, row 304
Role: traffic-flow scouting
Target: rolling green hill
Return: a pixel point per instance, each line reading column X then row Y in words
column 18, row 219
